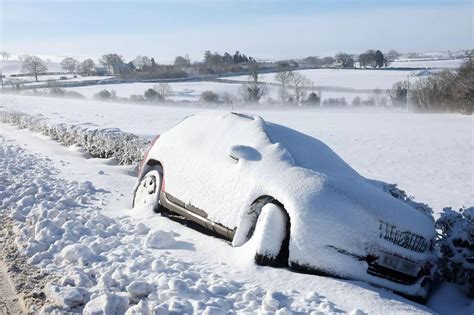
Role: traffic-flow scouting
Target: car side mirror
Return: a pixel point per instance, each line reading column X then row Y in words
column 244, row 152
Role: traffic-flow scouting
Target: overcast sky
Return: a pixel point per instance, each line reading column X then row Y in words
column 264, row 28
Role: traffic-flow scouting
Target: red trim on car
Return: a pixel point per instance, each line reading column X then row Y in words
column 145, row 157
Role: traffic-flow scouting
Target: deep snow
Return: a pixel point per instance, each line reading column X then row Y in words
column 93, row 236
column 380, row 145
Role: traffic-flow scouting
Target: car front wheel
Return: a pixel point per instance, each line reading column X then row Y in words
column 148, row 191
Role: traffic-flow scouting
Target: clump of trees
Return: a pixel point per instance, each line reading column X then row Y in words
column 105, row 95
column 86, row 67
column 313, row 99
column 373, row 59
column 71, row 65
column 209, row 97
column 293, row 86
column 344, row 60
column 159, row 93
column 445, row 91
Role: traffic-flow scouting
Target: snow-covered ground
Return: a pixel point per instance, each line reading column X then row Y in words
column 105, row 252
column 69, row 78
column 345, row 78
column 191, row 91
column 182, row 91
column 424, row 63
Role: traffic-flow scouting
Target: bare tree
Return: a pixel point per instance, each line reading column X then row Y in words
column 141, row 62
column 34, row 66
column 283, row 77
column 164, row 90
column 70, row 64
column 5, row 55
column 112, row 62
column 300, row 85
column 87, row 66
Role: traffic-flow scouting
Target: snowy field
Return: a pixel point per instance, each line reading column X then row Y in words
column 182, row 91
column 345, row 78
column 57, row 79
column 191, row 91
column 423, row 63
column 181, row 270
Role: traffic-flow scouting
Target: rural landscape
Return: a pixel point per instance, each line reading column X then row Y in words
column 172, row 165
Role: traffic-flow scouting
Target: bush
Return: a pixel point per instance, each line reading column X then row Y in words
column 105, row 94
column 399, row 94
column 456, row 247
column 334, row 102
column 152, row 95
column 313, row 99
column 209, row 97
column 356, row 101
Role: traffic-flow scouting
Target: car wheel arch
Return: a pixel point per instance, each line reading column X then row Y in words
column 255, row 210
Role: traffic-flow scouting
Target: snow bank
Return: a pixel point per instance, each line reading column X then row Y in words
column 105, row 143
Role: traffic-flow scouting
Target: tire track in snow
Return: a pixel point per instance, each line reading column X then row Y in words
column 9, row 301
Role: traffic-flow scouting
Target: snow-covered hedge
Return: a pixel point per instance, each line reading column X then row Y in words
column 456, row 247
column 127, row 148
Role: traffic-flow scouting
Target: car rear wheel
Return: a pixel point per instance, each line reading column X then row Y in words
column 272, row 236
column 148, row 191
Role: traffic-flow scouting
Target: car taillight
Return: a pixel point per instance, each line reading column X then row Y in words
column 145, row 157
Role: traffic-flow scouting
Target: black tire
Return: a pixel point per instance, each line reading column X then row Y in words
column 148, row 191
column 273, row 252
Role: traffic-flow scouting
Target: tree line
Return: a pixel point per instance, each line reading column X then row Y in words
column 213, row 63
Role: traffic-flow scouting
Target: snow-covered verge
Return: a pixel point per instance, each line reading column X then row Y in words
column 100, row 264
column 126, row 148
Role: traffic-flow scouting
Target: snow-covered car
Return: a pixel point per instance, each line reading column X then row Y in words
column 292, row 197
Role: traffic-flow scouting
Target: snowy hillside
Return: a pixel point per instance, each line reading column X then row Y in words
column 424, row 63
